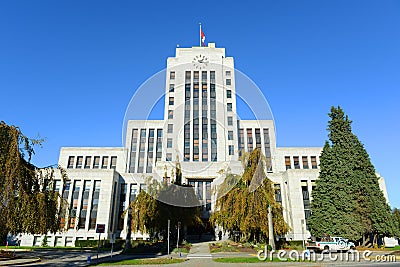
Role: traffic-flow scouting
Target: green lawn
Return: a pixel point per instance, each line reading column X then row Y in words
column 142, row 262
column 395, row 248
column 247, row 260
column 37, row 247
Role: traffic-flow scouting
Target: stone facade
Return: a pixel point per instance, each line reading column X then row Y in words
column 201, row 129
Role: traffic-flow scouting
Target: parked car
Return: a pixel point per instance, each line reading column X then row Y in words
column 327, row 243
column 390, row 242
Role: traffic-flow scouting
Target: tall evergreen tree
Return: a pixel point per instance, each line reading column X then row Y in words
column 396, row 218
column 347, row 200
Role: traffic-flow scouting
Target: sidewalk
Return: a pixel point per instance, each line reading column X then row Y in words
column 200, row 250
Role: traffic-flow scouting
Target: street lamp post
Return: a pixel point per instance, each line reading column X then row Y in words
column 270, row 229
column 129, row 229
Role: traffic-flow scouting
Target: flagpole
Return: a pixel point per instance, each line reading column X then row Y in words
column 200, row 33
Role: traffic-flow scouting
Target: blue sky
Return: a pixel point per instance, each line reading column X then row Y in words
column 69, row 68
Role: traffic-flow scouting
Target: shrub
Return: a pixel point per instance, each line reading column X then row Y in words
column 92, row 243
column 45, row 242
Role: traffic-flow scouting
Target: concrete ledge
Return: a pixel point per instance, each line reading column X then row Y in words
column 18, row 261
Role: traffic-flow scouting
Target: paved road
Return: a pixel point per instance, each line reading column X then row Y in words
column 199, row 256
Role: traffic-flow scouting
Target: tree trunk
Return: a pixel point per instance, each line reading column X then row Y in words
column 365, row 241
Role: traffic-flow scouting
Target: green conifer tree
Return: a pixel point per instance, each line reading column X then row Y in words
column 347, row 199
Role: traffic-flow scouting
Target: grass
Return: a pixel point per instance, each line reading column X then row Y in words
column 38, row 248
column 393, row 249
column 222, row 247
column 142, row 262
column 248, row 260
column 181, row 249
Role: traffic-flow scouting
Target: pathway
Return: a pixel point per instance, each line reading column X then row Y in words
column 200, row 250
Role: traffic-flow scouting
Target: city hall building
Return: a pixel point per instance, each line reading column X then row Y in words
column 202, row 130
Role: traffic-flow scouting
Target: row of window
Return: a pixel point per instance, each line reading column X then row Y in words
column 304, row 161
column 203, row 192
column 154, row 149
column 125, row 198
column 92, row 164
column 79, row 211
column 172, row 75
column 306, row 199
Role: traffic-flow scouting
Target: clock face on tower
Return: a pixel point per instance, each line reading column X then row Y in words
column 200, row 62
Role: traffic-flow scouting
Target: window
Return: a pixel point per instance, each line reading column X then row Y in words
column 143, row 187
column 314, row 162
column 169, row 157
column 74, row 203
column 96, row 163
column 64, row 209
column 132, row 163
column 133, row 193
column 172, row 87
column 121, row 206
column 305, row 162
column 187, row 76
column 258, row 138
column 79, row 161
column 71, row 160
column 296, row 162
column 169, row 143
column 88, row 162
column 230, row 121
column 150, row 151
column 231, row 149
column 57, row 185
column 171, row 100
column 212, row 76
column 113, row 162
column 142, row 144
column 84, row 204
column 230, row 135
column 159, row 145
column 200, row 190
column 228, row 73
column 104, row 163
column 195, row 76
column 170, row 114
column 170, row 128
column 229, row 107
column 228, row 93
column 306, row 200
column 267, row 150
column 95, row 205
column 278, row 195
column 287, row 163
column 228, row 81
column 241, row 141
column 172, row 75
column 249, row 139
column 204, row 76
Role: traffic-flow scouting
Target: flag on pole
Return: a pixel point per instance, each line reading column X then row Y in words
column 203, row 38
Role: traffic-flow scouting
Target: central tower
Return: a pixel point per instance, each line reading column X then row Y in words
column 200, row 107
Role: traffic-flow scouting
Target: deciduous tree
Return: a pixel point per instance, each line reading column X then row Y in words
column 27, row 203
column 243, row 201
column 151, row 210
